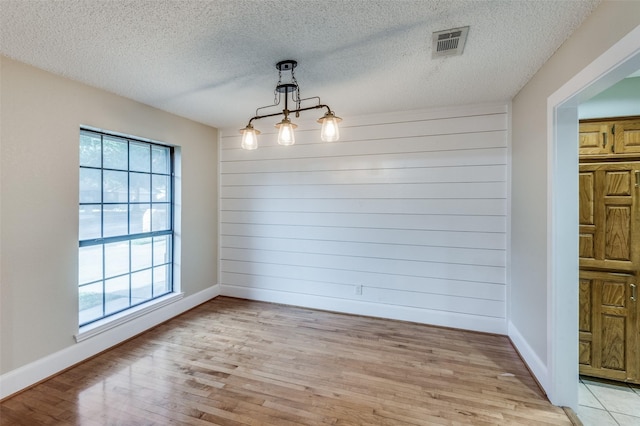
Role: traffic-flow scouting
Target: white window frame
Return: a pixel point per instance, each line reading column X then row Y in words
column 96, row 326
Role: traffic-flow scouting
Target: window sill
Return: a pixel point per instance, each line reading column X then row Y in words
column 95, row 328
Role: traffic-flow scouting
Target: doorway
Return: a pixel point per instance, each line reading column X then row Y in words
column 618, row 62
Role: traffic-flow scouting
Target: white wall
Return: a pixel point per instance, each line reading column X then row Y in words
column 621, row 99
column 412, row 207
column 529, row 320
column 40, row 117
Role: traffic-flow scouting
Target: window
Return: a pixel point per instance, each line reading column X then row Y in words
column 126, row 224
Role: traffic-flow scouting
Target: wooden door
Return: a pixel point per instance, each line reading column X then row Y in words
column 609, row 268
column 609, row 216
column 595, row 138
column 608, row 322
column 627, row 137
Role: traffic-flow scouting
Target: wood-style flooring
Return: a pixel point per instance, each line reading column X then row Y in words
column 239, row 362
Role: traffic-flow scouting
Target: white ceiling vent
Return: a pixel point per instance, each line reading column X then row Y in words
column 449, row 42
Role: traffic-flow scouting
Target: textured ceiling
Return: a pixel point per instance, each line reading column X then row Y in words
column 213, row 61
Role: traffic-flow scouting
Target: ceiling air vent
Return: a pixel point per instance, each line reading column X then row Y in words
column 449, row 42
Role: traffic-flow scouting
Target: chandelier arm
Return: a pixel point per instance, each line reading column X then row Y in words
column 312, row 107
column 258, row 109
column 258, row 117
column 275, row 114
column 267, row 106
column 290, row 111
column 312, row 97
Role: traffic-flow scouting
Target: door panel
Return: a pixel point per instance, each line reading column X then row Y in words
column 617, row 233
column 613, row 332
column 614, row 327
column 608, row 326
column 587, row 215
column 584, row 322
column 618, row 183
column 627, row 137
column 609, row 217
column 595, row 138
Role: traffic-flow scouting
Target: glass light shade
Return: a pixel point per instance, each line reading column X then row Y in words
column 249, row 137
column 285, row 132
column 330, row 131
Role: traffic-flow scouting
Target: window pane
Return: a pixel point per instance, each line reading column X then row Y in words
column 160, row 217
column 115, row 220
column 125, row 189
column 89, row 264
column 114, row 153
column 139, row 218
column 90, row 302
column 141, row 254
column 116, row 259
column 161, row 188
column 90, row 150
column 161, row 280
column 114, row 185
column 161, row 250
column 139, row 157
column 90, row 180
column 90, row 222
column 139, row 188
column 140, row 286
column 116, row 294
column 160, row 159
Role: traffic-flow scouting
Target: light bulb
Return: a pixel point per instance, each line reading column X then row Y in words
column 285, row 132
column 249, row 137
column 330, row 131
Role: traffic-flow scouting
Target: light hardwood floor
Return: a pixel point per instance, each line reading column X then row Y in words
column 233, row 362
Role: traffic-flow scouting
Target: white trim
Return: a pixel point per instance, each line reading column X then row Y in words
column 219, row 206
column 93, row 329
column 617, row 62
column 32, row 373
column 606, row 70
column 533, row 361
column 508, row 217
column 562, row 238
column 379, row 310
column 122, row 135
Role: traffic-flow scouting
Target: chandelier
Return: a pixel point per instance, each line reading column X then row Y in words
column 329, row 131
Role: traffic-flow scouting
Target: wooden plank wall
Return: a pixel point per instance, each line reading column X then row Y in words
column 407, row 209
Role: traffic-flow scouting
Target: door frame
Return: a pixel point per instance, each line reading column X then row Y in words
column 619, row 61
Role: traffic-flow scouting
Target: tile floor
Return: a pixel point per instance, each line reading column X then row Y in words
column 604, row 403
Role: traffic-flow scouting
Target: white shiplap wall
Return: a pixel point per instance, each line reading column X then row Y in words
column 411, row 207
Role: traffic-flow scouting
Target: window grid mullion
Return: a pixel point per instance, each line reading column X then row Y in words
column 151, row 226
column 129, row 215
column 153, row 259
column 104, row 251
column 130, row 277
column 171, row 192
column 128, row 186
column 115, row 239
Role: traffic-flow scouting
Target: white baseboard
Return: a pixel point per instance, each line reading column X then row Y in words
column 537, row 367
column 32, row 373
column 380, row 310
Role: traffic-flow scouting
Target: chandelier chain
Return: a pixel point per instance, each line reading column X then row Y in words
column 297, row 98
column 276, row 99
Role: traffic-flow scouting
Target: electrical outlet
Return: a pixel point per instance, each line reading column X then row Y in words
column 358, row 289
